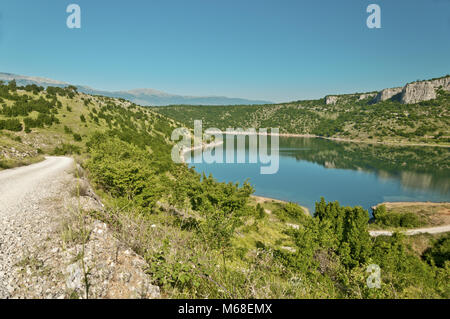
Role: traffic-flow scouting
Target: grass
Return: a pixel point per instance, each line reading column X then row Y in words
column 33, row 264
column 433, row 214
column 269, row 230
column 428, row 214
column 75, row 231
column 12, row 163
column 23, row 148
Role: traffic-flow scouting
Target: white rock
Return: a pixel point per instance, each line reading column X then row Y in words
column 74, row 277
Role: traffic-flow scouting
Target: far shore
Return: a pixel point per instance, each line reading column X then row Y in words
column 339, row 139
column 389, row 205
column 198, row 147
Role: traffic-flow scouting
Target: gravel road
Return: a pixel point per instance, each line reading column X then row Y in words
column 430, row 230
column 28, row 183
column 21, row 218
column 42, row 221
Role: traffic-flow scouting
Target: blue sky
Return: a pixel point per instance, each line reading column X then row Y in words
column 277, row 50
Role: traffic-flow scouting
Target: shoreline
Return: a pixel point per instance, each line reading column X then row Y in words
column 201, row 147
column 263, row 199
column 338, row 139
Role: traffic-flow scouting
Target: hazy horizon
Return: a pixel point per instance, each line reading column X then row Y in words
column 273, row 50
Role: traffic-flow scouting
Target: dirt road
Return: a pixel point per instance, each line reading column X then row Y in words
column 21, row 223
column 30, row 182
column 430, row 230
column 41, row 226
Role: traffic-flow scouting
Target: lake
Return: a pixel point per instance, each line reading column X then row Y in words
column 351, row 173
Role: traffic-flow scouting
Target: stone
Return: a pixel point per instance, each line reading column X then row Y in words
column 387, row 94
column 416, row 92
column 366, row 95
column 74, row 278
column 330, row 99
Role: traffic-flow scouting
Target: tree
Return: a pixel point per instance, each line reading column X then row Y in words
column 12, row 86
column 77, row 137
column 355, row 235
column 260, row 212
column 72, row 88
column 350, row 228
column 439, row 252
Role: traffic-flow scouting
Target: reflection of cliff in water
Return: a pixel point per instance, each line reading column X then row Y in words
column 414, row 167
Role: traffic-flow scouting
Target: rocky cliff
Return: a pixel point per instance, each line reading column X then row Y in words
column 413, row 92
column 424, row 90
column 330, row 99
column 366, row 95
column 387, row 94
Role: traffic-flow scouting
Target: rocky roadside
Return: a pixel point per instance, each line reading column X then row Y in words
column 51, row 248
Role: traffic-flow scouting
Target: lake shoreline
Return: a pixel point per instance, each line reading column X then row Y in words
column 294, row 199
column 338, row 139
column 199, row 147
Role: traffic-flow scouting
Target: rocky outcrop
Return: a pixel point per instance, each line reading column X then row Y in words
column 414, row 92
column 417, row 92
column 366, row 95
column 424, row 90
column 387, row 94
column 443, row 83
column 331, row 99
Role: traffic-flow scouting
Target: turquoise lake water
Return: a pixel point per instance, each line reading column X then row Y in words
column 351, row 173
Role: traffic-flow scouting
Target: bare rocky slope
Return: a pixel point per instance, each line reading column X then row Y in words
column 411, row 93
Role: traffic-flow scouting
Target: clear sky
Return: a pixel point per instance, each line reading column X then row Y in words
column 277, row 50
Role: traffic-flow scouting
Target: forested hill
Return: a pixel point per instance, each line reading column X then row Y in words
column 201, row 238
column 391, row 115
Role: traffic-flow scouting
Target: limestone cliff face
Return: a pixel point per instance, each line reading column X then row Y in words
column 423, row 91
column 386, row 94
column 411, row 93
column 330, row 99
column 366, row 95
column 417, row 92
column 444, row 83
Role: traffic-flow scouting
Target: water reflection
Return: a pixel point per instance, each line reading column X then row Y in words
column 415, row 167
column 351, row 173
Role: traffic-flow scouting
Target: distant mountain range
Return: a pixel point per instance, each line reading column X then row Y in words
column 146, row 97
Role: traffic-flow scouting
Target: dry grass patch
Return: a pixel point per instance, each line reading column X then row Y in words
column 435, row 214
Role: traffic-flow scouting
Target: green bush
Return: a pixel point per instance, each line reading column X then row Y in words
column 384, row 218
column 290, row 211
column 11, row 125
column 439, row 252
column 77, row 137
column 66, row 149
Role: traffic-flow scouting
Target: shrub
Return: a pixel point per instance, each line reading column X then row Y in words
column 66, row 149
column 77, row 137
column 11, row 125
column 439, row 253
column 391, row 219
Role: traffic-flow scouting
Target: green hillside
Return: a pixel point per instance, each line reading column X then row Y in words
column 201, row 238
column 351, row 118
